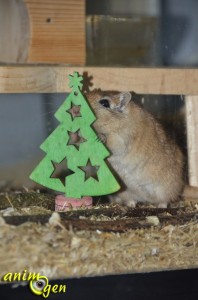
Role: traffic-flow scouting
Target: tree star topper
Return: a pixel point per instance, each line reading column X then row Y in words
column 75, row 82
column 75, row 158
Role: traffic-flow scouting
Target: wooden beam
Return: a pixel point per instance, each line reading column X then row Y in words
column 192, row 138
column 53, row 79
column 14, row 31
column 57, row 31
column 42, row 31
column 49, row 79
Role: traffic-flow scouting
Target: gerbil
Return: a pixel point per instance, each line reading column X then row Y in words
column 148, row 162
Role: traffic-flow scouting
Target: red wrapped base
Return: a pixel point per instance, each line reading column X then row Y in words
column 63, row 203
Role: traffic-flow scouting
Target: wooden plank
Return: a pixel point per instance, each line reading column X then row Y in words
column 42, row 31
column 53, row 79
column 192, row 138
column 57, row 31
column 14, row 31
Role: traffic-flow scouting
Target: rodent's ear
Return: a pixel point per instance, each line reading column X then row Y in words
column 125, row 98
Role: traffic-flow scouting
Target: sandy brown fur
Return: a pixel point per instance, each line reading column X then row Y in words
column 149, row 163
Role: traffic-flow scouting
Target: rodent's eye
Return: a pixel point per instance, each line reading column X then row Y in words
column 105, row 103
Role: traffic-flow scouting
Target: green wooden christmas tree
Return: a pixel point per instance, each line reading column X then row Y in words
column 74, row 145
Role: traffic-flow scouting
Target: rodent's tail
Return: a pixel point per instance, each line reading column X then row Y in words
column 190, row 192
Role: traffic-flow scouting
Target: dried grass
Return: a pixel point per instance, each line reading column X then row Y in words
column 59, row 253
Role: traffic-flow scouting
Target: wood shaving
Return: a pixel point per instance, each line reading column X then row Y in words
column 60, row 253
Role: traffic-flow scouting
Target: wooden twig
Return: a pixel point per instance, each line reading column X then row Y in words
column 7, row 197
column 120, row 219
column 120, row 225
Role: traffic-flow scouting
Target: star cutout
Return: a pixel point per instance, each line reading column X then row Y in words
column 75, row 139
column 75, row 81
column 74, row 111
column 90, row 171
column 61, row 170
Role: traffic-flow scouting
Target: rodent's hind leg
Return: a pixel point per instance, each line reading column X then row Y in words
column 162, row 205
column 130, row 203
column 123, row 198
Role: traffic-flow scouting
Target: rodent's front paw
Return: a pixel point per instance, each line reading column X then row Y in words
column 102, row 138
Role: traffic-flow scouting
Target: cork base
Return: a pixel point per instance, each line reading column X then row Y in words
column 63, row 203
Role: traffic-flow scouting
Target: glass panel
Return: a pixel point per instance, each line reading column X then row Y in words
column 120, row 41
column 26, row 121
column 142, row 33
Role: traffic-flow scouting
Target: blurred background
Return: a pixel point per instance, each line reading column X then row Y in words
column 143, row 33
